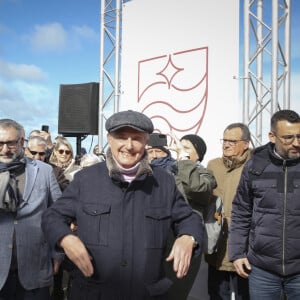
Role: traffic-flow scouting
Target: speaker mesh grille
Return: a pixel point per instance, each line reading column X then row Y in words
column 78, row 109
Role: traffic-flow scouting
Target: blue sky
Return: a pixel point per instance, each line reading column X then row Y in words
column 44, row 44
column 47, row 43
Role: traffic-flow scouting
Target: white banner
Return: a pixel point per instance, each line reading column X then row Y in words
column 179, row 60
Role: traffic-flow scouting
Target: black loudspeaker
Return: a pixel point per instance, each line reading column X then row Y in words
column 78, row 109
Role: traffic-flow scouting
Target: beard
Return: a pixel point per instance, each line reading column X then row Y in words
column 9, row 157
column 287, row 153
column 293, row 155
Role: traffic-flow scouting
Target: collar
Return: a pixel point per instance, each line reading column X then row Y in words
column 236, row 162
column 115, row 171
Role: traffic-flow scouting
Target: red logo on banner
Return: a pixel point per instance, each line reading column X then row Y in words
column 173, row 90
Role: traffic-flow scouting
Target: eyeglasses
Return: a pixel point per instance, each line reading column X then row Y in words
column 9, row 144
column 61, row 151
column 289, row 138
column 36, row 152
column 230, row 142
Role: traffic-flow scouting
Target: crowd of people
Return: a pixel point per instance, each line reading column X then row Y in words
column 130, row 224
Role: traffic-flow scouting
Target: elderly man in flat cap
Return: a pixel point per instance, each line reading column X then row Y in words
column 124, row 210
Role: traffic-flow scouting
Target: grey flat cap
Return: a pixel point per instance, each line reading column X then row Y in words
column 129, row 118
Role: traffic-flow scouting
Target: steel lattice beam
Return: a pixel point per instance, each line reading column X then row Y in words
column 266, row 87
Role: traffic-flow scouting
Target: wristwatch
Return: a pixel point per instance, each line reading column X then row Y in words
column 195, row 242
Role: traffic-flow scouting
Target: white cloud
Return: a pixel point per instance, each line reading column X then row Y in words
column 82, row 34
column 49, row 37
column 21, row 72
column 30, row 104
column 54, row 37
column 85, row 32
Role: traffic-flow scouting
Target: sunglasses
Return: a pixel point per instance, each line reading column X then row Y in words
column 61, row 151
column 36, row 152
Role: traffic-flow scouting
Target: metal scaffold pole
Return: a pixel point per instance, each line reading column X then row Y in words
column 110, row 58
column 266, row 84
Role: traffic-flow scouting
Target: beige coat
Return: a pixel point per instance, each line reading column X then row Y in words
column 227, row 174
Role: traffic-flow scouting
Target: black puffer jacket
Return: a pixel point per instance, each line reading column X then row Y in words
column 265, row 224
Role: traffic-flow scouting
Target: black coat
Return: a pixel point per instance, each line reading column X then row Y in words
column 125, row 229
column 60, row 176
column 265, row 221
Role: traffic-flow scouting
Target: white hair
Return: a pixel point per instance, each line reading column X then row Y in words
column 89, row 159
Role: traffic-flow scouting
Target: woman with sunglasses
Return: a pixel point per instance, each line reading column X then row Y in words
column 63, row 157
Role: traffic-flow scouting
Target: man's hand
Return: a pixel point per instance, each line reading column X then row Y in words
column 178, row 148
column 242, row 267
column 47, row 136
column 77, row 253
column 181, row 255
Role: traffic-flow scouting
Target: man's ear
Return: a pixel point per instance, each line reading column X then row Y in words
column 27, row 153
column 272, row 137
column 22, row 141
column 246, row 145
column 108, row 138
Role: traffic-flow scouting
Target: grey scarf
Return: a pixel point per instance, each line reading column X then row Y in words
column 9, row 196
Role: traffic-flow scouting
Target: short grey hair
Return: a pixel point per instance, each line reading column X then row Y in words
column 9, row 123
column 37, row 140
column 246, row 136
column 89, row 159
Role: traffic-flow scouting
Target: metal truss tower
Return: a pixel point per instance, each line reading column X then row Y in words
column 266, row 81
column 266, row 78
column 110, row 63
